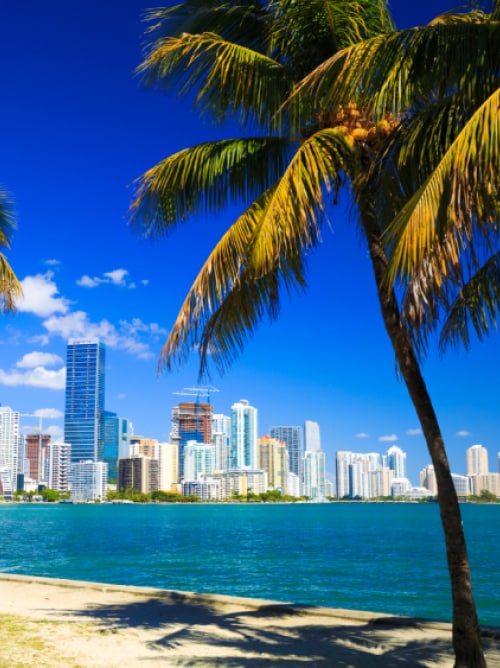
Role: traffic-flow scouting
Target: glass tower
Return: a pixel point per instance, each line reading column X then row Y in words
column 292, row 436
column 83, row 423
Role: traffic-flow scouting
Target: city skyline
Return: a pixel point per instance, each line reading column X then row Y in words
column 78, row 131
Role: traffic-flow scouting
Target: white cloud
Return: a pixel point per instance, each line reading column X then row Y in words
column 362, row 434
column 122, row 395
column 87, row 282
column 115, row 277
column 37, row 377
column 389, row 438
column 34, row 359
column 463, row 432
column 414, row 432
column 52, row 262
column 51, row 413
column 40, row 296
column 78, row 325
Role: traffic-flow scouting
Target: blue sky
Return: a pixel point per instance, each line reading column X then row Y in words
column 76, row 131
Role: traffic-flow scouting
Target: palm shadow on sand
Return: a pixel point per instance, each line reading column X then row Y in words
column 260, row 636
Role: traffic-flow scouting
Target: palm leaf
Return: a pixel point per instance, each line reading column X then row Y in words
column 226, row 79
column 477, row 304
column 10, row 288
column 263, row 249
column 394, row 73
column 204, row 179
column 473, row 158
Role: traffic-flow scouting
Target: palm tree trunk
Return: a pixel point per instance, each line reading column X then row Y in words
column 466, row 631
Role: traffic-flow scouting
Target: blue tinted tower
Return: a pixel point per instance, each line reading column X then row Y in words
column 83, row 414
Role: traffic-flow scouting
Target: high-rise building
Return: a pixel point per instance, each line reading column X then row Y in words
column 292, row 437
column 428, row 479
column 9, row 444
column 139, row 474
column 59, row 461
column 88, row 480
column 36, row 447
column 396, row 461
column 221, row 438
column 199, row 459
column 110, row 432
column 143, row 446
column 314, row 462
column 477, row 460
column 168, row 460
column 314, row 474
column 83, row 423
column 243, row 435
column 272, row 457
column 312, row 438
column 191, row 421
column 125, row 433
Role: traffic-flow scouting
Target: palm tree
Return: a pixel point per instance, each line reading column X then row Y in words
column 10, row 288
column 322, row 117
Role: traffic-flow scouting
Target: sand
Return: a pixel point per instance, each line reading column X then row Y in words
column 48, row 623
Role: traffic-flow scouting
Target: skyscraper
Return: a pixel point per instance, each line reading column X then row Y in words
column 9, row 442
column 191, row 421
column 312, row 436
column 314, row 462
column 243, row 435
column 83, row 424
column 396, row 461
column 292, row 437
column 110, row 431
column 477, row 460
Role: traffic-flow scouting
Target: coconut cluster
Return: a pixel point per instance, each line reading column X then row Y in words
column 356, row 126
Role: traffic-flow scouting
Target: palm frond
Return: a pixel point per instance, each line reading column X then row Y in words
column 206, row 178
column 10, row 288
column 264, row 248
column 243, row 21
column 226, row 79
column 477, row 304
column 393, row 73
column 465, row 184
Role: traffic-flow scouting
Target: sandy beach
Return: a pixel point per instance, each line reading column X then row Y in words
column 47, row 623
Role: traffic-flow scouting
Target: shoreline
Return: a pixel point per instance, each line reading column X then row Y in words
column 100, row 625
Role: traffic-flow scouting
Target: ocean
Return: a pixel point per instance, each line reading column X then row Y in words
column 382, row 557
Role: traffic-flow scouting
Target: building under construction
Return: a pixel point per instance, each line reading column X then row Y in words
column 191, row 421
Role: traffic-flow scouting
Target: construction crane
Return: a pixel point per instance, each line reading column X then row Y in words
column 197, row 392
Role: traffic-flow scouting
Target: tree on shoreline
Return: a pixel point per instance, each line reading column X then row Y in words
column 317, row 130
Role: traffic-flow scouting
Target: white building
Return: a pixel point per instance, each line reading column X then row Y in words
column 208, row 489
column 168, row 463
column 461, row 483
column 9, row 444
column 243, row 435
column 396, row 461
column 88, row 480
column 293, row 484
column 489, row 482
column 199, row 460
column 125, row 432
column 221, row 438
column 477, row 460
column 428, row 479
column 59, row 462
column 400, row 487
column 241, row 482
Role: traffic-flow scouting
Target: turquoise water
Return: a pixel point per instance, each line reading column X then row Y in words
column 380, row 557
